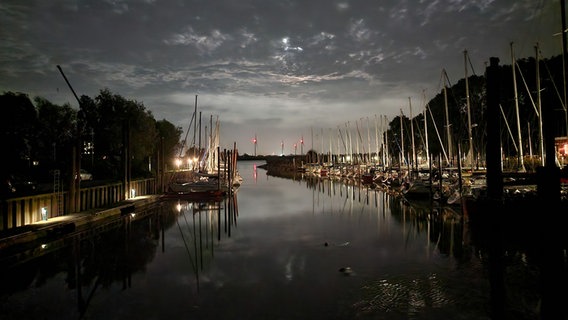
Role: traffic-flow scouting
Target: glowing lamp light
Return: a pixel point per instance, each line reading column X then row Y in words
column 44, row 213
column 133, row 193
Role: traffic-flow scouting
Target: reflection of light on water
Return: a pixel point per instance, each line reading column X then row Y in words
column 408, row 296
column 294, row 266
column 288, row 269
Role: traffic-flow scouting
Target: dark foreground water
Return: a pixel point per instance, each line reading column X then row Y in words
column 279, row 249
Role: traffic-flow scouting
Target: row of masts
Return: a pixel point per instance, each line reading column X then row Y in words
column 355, row 153
column 205, row 156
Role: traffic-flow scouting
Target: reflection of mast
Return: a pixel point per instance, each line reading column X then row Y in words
column 201, row 230
column 191, row 260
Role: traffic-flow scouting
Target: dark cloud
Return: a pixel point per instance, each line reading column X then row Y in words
column 277, row 68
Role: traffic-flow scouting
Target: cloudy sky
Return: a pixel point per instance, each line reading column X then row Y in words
column 280, row 70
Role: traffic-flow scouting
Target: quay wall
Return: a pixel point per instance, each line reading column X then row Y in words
column 21, row 211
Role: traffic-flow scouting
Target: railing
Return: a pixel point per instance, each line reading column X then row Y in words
column 16, row 212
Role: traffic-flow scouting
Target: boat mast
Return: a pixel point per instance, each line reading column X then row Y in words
column 539, row 104
column 368, row 142
column 357, row 139
column 195, row 127
column 386, row 155
column 377, row 141
column 322, row 160
column 348, row 132
column 402, row 158
column 414, row 162
column 521, row 154
column 530, row 142
column 564, row 57
column 312, row 148
column 426, row 129
column 470, row 154
column 330, row 157
column 448, row 131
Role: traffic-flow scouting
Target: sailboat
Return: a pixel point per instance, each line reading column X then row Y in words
column 210, row 175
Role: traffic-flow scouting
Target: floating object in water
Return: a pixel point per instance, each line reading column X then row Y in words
column 346, row 270
column 343, row 244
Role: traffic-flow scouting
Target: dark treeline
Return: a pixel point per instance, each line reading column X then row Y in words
column 454, row 100
column 39, row 137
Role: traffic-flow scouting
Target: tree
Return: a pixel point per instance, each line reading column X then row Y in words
column 18, row 135
column 56, row 132
column 169, row 137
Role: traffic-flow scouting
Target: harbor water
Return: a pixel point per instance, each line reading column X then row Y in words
column 279, row 248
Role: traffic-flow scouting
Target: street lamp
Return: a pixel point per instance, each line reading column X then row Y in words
column 254, row 141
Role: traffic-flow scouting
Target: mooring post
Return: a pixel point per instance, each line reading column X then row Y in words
column 495, row 192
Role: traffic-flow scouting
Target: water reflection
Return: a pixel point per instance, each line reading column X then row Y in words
column 443, row 224
column 109, row 254
column 302, row 249
column 200, row 224
column 523, row 257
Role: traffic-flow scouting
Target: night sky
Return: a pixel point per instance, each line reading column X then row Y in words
column 279, row 70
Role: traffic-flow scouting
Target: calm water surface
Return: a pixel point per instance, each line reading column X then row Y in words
column 279, row 249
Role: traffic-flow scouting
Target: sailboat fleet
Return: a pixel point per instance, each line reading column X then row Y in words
column 204, row 171
column 414, row 173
